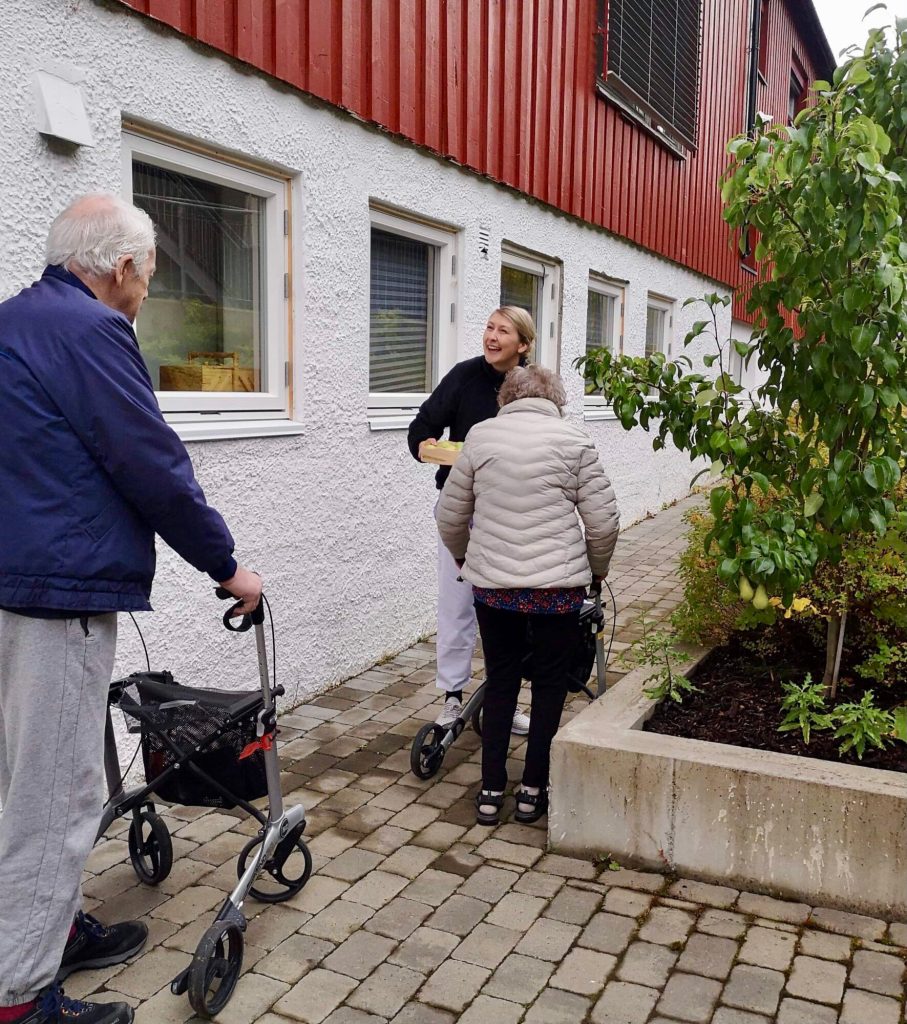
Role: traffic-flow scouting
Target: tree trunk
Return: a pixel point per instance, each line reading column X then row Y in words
column 833, row 645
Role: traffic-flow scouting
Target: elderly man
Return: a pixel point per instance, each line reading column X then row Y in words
column 89, row 472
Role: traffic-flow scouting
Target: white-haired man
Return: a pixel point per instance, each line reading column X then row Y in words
column 89, row 472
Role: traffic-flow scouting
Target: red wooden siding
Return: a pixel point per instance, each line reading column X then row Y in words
column 507, row 89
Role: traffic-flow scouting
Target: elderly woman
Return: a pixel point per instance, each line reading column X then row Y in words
column 521, row 478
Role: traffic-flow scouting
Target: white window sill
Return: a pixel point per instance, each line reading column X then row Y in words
column 598, row 412
column 213, row 428
column 390, row 419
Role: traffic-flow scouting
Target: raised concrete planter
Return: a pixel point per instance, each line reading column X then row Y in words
column 827, row 834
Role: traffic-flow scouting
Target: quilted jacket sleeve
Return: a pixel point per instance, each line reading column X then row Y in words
column 456, row 505
column 598, row 510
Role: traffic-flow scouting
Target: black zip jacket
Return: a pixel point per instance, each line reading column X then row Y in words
column 465, row 396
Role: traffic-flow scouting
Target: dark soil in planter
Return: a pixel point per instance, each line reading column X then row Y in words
column 738, row 701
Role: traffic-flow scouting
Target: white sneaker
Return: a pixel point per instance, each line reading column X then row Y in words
column 520, row 725
column 450, row 713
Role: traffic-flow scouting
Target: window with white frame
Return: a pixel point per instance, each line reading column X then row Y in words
column 659, row 324
column 604, row 323
column 412, row 311
column 213, row 330
column 532, row 282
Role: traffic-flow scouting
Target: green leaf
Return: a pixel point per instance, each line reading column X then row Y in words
column 871, row 476
column 812, row 505
column 706, row 396
column 718, row 498
column 878, row 522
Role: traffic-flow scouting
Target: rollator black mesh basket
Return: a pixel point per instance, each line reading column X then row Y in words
column 188, row 717
column 582, row 655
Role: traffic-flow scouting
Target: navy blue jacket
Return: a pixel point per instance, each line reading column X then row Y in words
column 89, row 470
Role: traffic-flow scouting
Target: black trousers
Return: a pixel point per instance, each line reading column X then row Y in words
column 505, row 642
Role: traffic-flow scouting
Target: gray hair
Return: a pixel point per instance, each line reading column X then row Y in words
column 532, row 382
column 98, row 229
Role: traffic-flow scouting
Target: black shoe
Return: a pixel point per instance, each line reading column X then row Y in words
column 485, row 798
column 538, row 802
column 95, row 946
column 54, row 1008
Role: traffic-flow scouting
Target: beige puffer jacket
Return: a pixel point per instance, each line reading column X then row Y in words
column 521, row 478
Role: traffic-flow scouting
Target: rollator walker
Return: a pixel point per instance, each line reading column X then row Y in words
column 433, row 741
column 212, row 748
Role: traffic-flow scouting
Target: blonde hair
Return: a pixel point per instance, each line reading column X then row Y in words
column 522, row 321
column 532, row 382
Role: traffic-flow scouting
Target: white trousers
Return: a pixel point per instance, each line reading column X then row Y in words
column 456, row 639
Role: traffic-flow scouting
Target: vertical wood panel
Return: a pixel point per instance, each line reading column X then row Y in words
column 506, row 87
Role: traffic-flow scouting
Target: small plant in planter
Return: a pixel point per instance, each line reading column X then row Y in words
column 827, row 431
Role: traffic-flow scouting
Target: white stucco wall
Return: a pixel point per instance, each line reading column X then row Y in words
column 338, row 519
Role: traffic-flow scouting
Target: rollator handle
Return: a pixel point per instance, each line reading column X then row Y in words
column 245, row 622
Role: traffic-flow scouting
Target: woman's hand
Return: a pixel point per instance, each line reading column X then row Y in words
column 422, row 444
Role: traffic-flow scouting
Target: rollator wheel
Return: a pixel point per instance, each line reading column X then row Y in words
column 476, row 721
column 150, row 847
column 427, row 754
column 284, row 873
column 215, row 968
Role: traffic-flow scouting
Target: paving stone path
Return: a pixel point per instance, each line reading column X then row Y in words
column 415, row 915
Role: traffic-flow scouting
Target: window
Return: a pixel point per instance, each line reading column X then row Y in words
column 659, row 325
column 213, row 330
column 796, row 96
column 532, row 282
column 763, row 38
column 649, row 65
column 411, row 311
column 604, row 323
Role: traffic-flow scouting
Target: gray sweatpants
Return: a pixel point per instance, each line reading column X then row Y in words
column 53, row 695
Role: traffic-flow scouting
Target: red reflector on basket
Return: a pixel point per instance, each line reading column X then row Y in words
column 265, row 743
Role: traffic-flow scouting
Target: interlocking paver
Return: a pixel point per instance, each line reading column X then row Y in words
column 454, row 985
column 865, row 1007
column 623, row 1003
column 765, row 947
column 516, row 910
column 399, row 918
column 708, row 955
column 548, row 940
column 665, row 925
column 647, row 964
column 573, row 906
column 754, row 988
column 487, row 945
column 583, row 971
column 425, row 950
column 294, row 957
column 878, row 972
column 848, row 924
column 360, row 954
column 689, row 998
column 825, row 945
column 798, row 1011
column 766, row 906
column 819, row 980
column 315, row 996
column 387, row 990
column 556, row 1007
column 407, row 889
column 519, row 978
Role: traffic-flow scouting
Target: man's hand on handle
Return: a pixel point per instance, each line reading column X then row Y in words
column 422, row 444
column 245, row 585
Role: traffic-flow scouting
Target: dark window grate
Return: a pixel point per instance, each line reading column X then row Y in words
column 651, row 63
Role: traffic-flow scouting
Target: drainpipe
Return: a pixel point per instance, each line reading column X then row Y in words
column 755, row 25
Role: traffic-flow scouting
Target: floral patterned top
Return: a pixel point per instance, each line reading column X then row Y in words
column 533, row 600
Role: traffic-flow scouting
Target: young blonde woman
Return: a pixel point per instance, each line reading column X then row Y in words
column 467, row 395
column 524, row 480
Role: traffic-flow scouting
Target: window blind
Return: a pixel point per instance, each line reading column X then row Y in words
column 401, row 336
column 653, row 60
column 600, row 321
